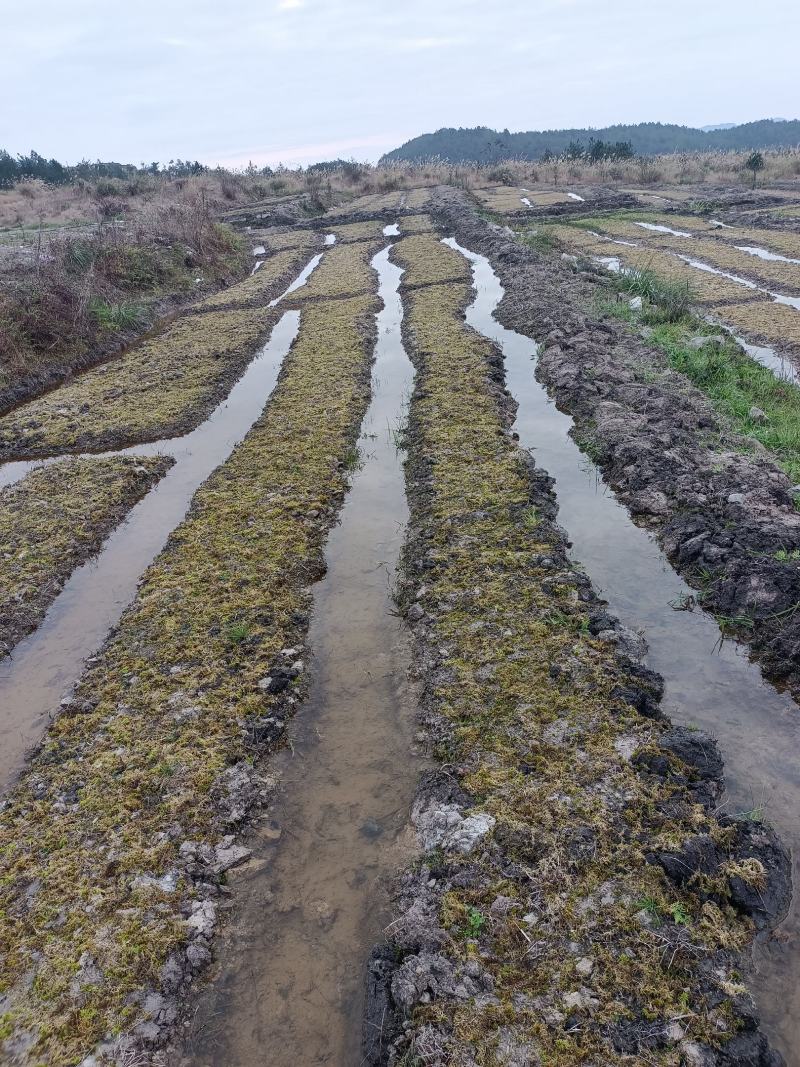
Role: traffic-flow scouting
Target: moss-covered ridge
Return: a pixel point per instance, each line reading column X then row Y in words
column 579, row 902
column 55, row 519
column 114, row 843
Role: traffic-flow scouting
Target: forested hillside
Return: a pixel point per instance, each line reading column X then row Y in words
column 481, row 144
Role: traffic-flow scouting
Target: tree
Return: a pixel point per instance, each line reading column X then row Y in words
column 755, row 163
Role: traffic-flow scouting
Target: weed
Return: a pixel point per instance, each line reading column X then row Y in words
column 237, row 632
column 123, row 316
column 652, row 907
column 784, row 555
column 540, row 240
column 476, row 921
column 671, row 300
column 680, row 914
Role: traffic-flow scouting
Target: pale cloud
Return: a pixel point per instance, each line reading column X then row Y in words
column 421, row 44
column 289, row 5
column 301, row 155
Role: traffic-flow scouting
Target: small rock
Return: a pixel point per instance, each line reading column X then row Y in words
column 584, row 967
column 756, row 414
column 635, row 304
column 707, row 339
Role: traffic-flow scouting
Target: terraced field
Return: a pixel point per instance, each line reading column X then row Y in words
column 325, row 742
column 747, row 278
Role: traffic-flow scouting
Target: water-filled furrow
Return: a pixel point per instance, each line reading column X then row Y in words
column 710, row 682
column 764, row 253
column 309, row 906
column 663, row 229
column 43, row 666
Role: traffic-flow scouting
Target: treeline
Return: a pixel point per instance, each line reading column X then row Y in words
column 17, row 168
column 482, row 145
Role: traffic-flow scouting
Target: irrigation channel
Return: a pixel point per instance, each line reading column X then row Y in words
column 308, row 905
column 710, row 682
column 44, row 666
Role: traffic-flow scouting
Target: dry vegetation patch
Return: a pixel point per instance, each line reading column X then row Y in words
column 344, row 271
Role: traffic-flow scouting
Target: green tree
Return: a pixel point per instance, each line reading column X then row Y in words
column 755, row 163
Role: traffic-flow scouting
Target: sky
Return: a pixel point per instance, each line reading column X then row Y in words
column 297, row 81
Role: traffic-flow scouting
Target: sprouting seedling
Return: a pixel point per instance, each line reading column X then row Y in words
column 680, row 915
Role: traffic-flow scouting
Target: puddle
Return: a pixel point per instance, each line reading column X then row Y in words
column 612, row 263
column 304, row 274
column 256, row 266
column 663, row 229
column 392, row 230
column 43, row 666
column 259, row 250
column 708, row 684
column 720, row 225
column 310, row 905
column 613, row 240
column 574, row 196
column 330, row 239
column 763, row 253
column 526, row 201
column 769, row 358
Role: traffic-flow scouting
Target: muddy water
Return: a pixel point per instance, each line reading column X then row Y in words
column 310, row 903
column 663, row 229
column 763, row 253
column 710, row 683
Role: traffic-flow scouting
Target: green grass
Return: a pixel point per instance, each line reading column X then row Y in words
column 736, row 383
column 667, row 300
column 127, row 315
column 733, row 381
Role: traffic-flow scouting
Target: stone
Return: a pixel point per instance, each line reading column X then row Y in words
column 756, row 414
column 635, row 304
column 707, row 339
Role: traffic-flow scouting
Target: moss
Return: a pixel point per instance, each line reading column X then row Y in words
column 345, row 271
column 360, row 231
column 52, row 521
column 528, row 717
column 114, row 791
column 429, row 262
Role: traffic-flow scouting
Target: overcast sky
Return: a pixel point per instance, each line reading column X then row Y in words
column 228, row 81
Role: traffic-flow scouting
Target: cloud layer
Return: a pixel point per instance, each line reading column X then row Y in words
column 299, row 80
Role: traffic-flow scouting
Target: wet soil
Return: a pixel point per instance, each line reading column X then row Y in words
column 709, row 681
column 720, row 516
column 313, row 899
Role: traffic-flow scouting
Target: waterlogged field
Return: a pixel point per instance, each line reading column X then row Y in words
column 325, row 740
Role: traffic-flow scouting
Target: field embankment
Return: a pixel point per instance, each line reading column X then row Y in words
column 721, row 507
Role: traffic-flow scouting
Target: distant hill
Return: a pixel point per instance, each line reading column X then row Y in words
column 647, row 138
column 719, row 126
